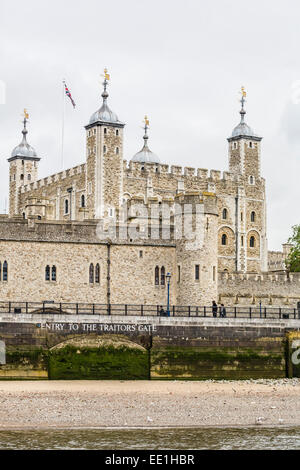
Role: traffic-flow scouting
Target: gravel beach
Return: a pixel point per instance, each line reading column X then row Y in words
column 149, row 404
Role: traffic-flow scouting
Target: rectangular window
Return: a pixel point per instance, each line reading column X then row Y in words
column 179, row 274
column 214, row 273
column 197, row 272
column 141, row 254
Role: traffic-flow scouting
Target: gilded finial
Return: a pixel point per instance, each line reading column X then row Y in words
column 243, row 100
column 146, row 121
column 26, row 115
column 106, row 75
column 105, row 83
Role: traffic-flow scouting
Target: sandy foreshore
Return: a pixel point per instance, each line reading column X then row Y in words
column 149, row 404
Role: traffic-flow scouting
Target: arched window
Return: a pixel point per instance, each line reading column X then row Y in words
column 105, row 131
column 24, row 215
column 0, row 271
column 82, row 200
column 104, row 149
column 53, row 273
column 157, row 276
column 97, row 274
column 117, row 132
column 117, row 151
column 5, row 271
column 163, row 276
column 197, row 272
column 224, row 215
column 252, row 242
column 29, row 177
column 251, row 180
column 22, row 177
column 253, row 216
column 224, row 239
column 66, row 206
column 91, row 274
column 47, row 273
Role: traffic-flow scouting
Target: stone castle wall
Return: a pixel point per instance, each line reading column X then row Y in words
column 278, row 290
column 30, row 246
column 46, row 197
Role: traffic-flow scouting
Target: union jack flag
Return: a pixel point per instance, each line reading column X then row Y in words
column 68, row 93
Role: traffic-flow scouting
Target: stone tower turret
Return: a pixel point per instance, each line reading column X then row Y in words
column 250, row 197
column 196, row 232
column 104, row 178
column 244, row 147
column 23, row 169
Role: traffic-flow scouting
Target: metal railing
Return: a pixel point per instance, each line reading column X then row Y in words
column 253, row 312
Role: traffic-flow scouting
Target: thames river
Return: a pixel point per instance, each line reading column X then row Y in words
column 154, row 439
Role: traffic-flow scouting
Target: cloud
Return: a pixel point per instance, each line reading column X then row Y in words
column 181, row 63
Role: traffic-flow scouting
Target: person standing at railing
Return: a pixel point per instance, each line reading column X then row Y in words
column 223, row 312
column 162, row 312
column 214, row 309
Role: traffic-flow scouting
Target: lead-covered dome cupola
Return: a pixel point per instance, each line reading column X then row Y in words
column 24, row 150
column 145, row 155
column 242, row 129
column 105, row 114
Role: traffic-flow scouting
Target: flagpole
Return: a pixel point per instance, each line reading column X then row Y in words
column 63, row 125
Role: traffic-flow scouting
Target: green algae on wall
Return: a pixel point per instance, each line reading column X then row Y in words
column 192, row 363
column 25, row 364
column 70, row 363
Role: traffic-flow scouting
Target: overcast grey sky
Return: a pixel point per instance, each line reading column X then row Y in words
column 182, row 63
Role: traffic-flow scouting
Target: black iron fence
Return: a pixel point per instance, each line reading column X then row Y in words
column 253, row 312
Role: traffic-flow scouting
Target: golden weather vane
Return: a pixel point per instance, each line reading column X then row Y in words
column 106, row 75
column 146, row 121
column 244, row 93
column 26, row 115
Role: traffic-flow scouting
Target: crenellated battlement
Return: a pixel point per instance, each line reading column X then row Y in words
column 280, row 278
column 134, row 169
column 54, row 178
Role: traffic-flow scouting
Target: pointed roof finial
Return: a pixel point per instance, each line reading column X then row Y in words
column 146, row 137
column 106, row 76
column 243, row 101
column 25, row 131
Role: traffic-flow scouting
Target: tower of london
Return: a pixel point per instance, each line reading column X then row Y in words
column 109, row 230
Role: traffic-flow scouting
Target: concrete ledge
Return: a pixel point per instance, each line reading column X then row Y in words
column 146, row 320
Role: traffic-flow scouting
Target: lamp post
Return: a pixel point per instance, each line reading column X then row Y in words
column 168, row 282
column 260, row 309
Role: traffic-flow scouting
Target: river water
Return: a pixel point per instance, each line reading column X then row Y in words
column 154, row 439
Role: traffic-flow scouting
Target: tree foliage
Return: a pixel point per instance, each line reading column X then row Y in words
column 293, row 260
